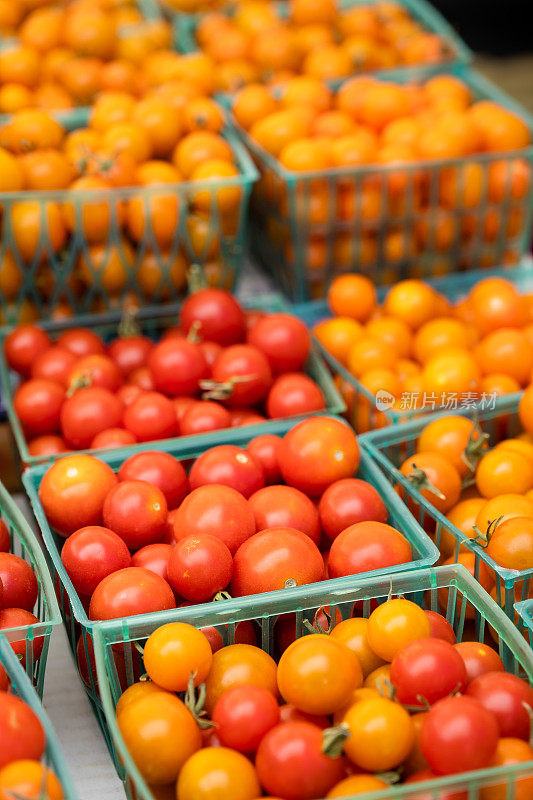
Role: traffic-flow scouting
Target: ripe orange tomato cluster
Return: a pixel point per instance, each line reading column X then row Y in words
column 424, row 350
column 221, row 367
column 316, row 38
column 340, row 708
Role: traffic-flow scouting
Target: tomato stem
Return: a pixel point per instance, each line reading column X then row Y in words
column 129, row 325
column 196, row 704
column 333, row 740
column 83, row 382
column 391, row 777
column 139, row 648
column 475, row 447
column 221, row 596
column 196, row 279
column 213, row 390
column 194, row 332
column 420, row 481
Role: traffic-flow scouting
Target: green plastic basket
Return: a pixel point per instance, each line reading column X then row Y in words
column 421, row 587
column 454, row 288
column 389, row 447
column 21, row 687
column 153, row 321
column 76, row 620
column 304, row 256
column 72, row 280
column 25, row 545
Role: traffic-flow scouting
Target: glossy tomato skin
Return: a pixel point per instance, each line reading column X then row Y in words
column 54, row 364
column 504, row 695
column 21, row 733
column 427, row 670
column 265, row 449
column 246, row 373
column 111, row 438
column 348, row 501
column 92, row 553
column 267, row 560
column 294, row 394
column 366, row 546
column 177, row 366
column 130, row 591
column 203, row 417
column 88, row 412
column 160, row 469
column 99, row 370
column 137, row 512
column 23, row 345
column 217, row 510
column 38, row 404
column 218, row 772
column 151, row 416
column 47, row 445
column 317, row 452
column 200, row 566
column 285, row 507
column 479, row 658
column 290, row 762
column 154, row 557
column 440, row 627
column 19, row 618
column 5, row 539
column 130, row 352
column 220, row 316
column 18, row 581
column 284, row 339
column 243, row 715
column 228, row 465
column 81, row 342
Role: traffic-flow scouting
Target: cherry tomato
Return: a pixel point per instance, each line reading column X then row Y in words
column 203, row 417
column 19, row 582
column 111, row 438
column 510, row 752
column 47, row 445
column 92, row 553
column 154, row 557
column 130, row 591
column 73, row 491
column 38, row 404
column 220, row 317
column 316, row 453
column 4, row 680
column 415, row 761
column 23, row 346
column 142, row 377
column 265, row 449
column 81, row 342
column 285, row 507
column 130, row 352
column 218, row 772
column 177, row 365
column 5, row 538
column 348, row 501
column 88, row 412
column 505, row 696
column 27, row 778
column 442, row 794
column 182, row 404
column 242, row 375
column 440, row 627
column 175, row 651
column 243, row 715
column 211, row 351
column 236, row 665
column 137, row 512
column 366, row 546
column 151, row 416
column 294, row 394
column 284, row 339
column 510, row 544
column 54, row 364
column 356, row 784
column 394, row 624
column 200, row 566
column 243, row 633
column 218, row 510
column 128, row 393
column 291, row 762
column 479, row 659
column 240, row 417
column 458, row 735
column 21, row 733
column 268, row 560
column 444, row 486
column 16, row 618
column 161, row 470
column 382, row 734
column 135, row 692
column 96, row 370
column 228, row 465
column 426, row 671
column 354, row 634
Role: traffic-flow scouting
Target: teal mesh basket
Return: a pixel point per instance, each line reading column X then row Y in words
column 153, row 321
column 389, row 447
column 60, row 275
column 74, row 614
column 361, row 402
column 21, row 687
column 422, row 587
column 25, row 545
column 389, row 222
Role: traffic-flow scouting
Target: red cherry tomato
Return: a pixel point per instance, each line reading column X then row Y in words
column 441, row 794
column 505, row 697
column 161, row 470
column 92, row 553
column 5, row 539
column 4, row 680
column 154, row 557
column 38, row 404
column 203, row 417
column 130, row 591
column 284, row 339
column 218, row 315
column 228, row 465
column 244, row 633
column 142, row 377
column 97, row 370
column 81, row 342
column 291, row 762
column 88, row 412
column 130, row 352
column 54, row 364
column 23, row 346
column 176, row 366
column 182, row 404
column 268, row 560
column 294, row 394
column 217, row 510
column 211, row 351
column 19, row 582
column 366, row 546
column 200, row 566
column 316, row 453
column 265, row 449
column 47, row 445
column 427, row 670
column 252, row 316
column 137, row 512
column 348, row 501
column 151, row 416
column 243, row 715
column 21, row 733
column 244, row 375
column 16, row 618
column 128, row 393
column 440, row 627
column 285, row 507
column 111, row 438
column 240, row 417
column 479, row 659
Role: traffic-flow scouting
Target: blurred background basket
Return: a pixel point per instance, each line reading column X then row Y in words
column 450, row 590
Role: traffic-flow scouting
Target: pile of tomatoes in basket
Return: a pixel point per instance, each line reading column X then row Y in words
column 78, row 393
column 343, row 711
